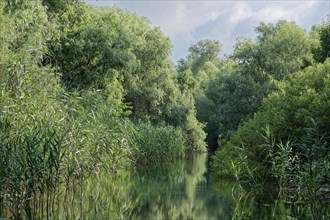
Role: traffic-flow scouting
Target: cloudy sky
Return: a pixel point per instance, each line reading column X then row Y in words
column 187, row 22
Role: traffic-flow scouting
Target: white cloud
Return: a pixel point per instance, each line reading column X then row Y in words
column 184, row 16
column 291, row 11
column 241, row 11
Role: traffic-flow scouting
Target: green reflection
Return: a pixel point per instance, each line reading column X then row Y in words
column 177, row 191
column 268, row 203
column 170, row 191
column 288, row 206
column 180, row 190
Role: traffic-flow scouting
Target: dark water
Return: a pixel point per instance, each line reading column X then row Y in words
column 180, row 190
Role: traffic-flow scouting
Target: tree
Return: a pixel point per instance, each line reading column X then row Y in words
column 300, row 104
column 58, row 6
column 280, row 49
column 200, row 53
column 235, row 96
column 196, row 71
column 322, row 52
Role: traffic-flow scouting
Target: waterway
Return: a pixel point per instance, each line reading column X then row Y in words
column 179, row 190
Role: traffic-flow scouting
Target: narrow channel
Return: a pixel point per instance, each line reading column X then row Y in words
column 179, row 190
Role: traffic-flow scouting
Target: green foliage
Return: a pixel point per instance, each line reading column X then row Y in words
column 159, row 144
column 98, row 137
column 119, row 53
column 235, row 96
column 115, row 50
column 227, row 93
column 30, row 167
column 181, row 113
column 32, row 138
column 58, row 6
column 241, row 83
column 200, row 53
column 195, row 134
column 287, row 112
column 303, row 165
column 88, row 89
column 80, row 53
column 322, row 52
column 200, row 67
column 194, row 74
column 280, row 49
column 47, row 135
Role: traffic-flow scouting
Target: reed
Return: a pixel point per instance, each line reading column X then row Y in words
column 159, row 144
column 30, row 171
column 43, row 150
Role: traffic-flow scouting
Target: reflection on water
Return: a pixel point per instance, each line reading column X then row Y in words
column 177, row 191
column 269, row 205
column 180, row 190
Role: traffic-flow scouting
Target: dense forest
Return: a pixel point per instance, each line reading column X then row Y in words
column 87, row 89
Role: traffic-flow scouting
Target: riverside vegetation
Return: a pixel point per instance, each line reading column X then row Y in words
column 87, row 90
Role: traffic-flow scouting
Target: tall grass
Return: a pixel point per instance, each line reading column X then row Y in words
column 299, row 169
column 99, row 138
column 63, row 142
column 303, row 167
column 32, row 148
column 53, row 138
column 30, row 172
column 159, row 144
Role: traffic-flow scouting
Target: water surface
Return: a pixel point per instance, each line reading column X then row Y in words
column 179, row 190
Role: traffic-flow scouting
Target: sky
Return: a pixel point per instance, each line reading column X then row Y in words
column 187, row 22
